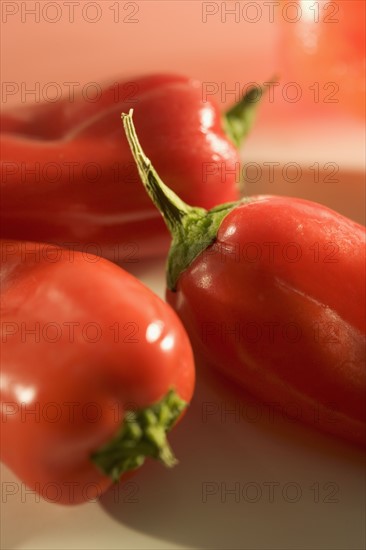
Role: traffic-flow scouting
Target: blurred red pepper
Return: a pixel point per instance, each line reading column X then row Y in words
column 68, row 176
column 95, row 370
column 272, row 292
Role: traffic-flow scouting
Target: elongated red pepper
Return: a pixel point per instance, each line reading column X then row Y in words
column 95, row 370
column 272, row 293
column 68, row 176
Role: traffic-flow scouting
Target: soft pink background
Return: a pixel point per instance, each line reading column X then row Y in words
column 169, row 36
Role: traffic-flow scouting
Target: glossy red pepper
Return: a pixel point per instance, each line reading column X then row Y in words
column 95, row 370
column 272, row 293
column 68, row 176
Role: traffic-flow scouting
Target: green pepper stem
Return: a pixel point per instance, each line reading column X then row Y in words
column 171, row 207
column 142, row 434
column 193, row 229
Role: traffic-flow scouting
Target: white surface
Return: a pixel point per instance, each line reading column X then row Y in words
column 160, row 509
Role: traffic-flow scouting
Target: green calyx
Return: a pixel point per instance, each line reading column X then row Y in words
column 193, row 229
column 197, row 232
column 142, row 435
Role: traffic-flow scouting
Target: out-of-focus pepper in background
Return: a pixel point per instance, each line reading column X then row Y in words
column 68, row 177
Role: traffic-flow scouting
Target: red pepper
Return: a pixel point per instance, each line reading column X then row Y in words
column 68, row 176
column 272, row 293
column 95, row 370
